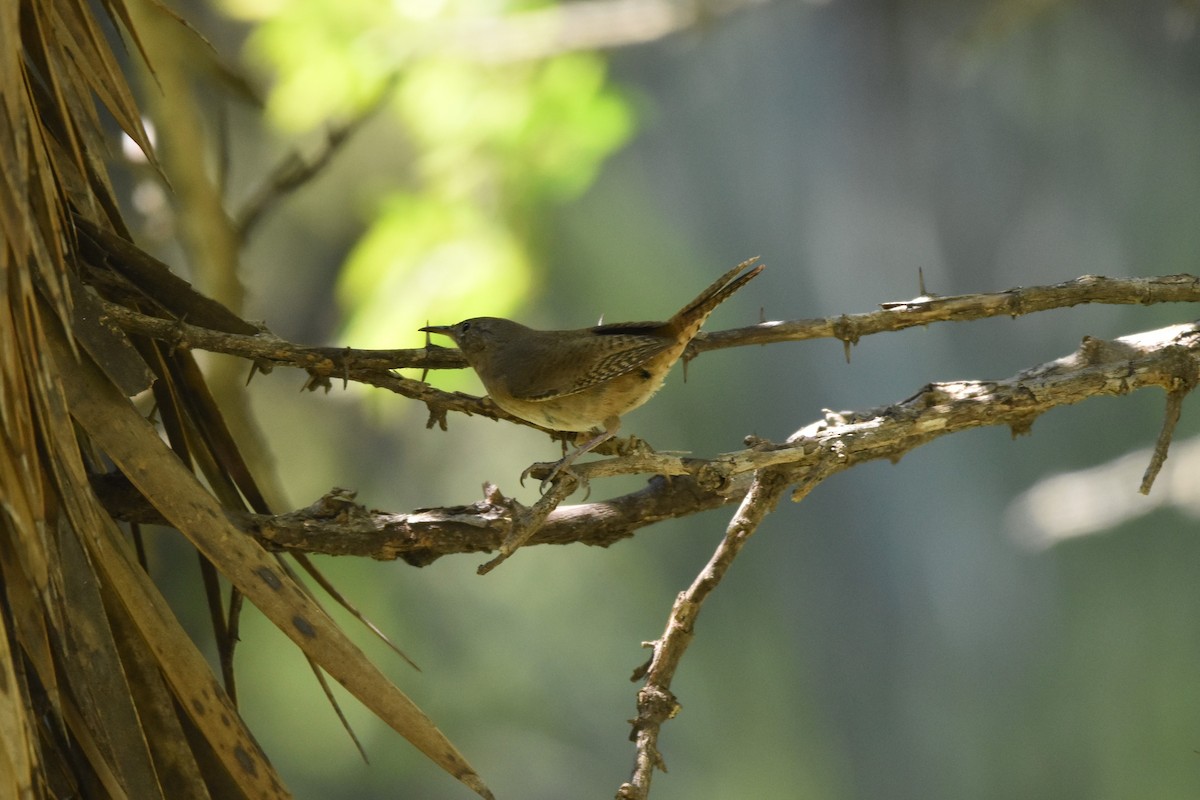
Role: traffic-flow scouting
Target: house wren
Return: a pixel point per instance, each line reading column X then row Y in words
column 585, row 379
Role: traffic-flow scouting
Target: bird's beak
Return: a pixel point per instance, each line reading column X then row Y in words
column 442, row 329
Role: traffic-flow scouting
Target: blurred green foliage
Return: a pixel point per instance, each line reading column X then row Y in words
column 488, row 145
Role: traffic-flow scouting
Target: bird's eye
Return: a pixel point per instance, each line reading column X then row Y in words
column 464, row 326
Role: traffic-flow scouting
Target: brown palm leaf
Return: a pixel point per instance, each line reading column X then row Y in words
column 101, row 692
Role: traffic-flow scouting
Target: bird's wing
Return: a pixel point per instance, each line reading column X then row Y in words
column 613, row 351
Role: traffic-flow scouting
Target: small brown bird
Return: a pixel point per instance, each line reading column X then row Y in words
column 585, row 379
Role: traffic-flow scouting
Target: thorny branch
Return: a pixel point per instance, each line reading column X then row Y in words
column 899, row 315
column 1167, row 358
column 757, row 475
column 374, row 367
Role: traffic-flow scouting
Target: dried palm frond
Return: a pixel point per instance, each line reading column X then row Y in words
column 102, row 694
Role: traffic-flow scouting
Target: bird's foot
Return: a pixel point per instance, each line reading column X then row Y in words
column 556, row 472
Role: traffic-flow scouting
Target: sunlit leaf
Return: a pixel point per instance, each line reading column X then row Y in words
column 427, row 259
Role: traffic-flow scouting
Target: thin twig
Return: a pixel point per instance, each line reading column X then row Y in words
column 294, row 171
column 527, row 521
column 655, row 702
column 1159, row 457
column 1187, row 375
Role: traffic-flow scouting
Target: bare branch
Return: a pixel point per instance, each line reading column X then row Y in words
column 1167, row 358
column 897, row 316
column 374, row 367
column 655, row 702
column 1186, row 379
column 757, row 475
column 335, row 525
column 892, row 316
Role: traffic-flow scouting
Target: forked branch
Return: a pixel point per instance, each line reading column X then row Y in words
column 1168, row 358
column 757, row 475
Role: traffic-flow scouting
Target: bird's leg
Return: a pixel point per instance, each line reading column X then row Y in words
column 611, row 426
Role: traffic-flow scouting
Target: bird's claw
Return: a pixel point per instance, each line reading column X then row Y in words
column 561, row 471
column 558, row 470
column 532, row 467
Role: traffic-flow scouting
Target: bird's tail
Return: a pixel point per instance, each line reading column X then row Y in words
column 695, row 312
